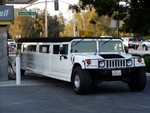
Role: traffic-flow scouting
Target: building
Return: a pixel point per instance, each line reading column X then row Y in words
column 3, row 30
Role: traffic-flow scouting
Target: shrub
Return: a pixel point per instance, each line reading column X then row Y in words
column 147, row 62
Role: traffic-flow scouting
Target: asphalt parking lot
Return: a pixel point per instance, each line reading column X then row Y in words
column 46, row 95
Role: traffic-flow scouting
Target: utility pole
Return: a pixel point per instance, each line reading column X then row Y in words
column 118, row 21
column 46, row 26
column 74, row 26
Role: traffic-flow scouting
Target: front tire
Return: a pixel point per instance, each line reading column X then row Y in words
column 137, row 80
column 81, row 81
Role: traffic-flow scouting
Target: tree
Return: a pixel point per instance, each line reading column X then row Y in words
column 28, row 26
column 138, row 19
column 134, row 13
column 55, row 25
column 89, row 20
column 38, row 26
column 103, row 7
column 20, row 26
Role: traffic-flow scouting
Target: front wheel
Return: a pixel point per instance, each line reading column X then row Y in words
column 137, row 81
column 81, row 81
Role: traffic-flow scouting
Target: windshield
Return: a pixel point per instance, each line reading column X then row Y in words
column 110, row 46
column 83, row 46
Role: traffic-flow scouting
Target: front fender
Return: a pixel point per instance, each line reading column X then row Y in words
column 79, row 63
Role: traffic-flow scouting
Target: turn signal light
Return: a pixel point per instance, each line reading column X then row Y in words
column 89, row 62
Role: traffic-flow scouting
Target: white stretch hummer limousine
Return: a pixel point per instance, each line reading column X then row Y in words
column 82, row 61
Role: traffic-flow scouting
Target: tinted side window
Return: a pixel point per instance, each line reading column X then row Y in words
column 25, row 48
column 55, row 49
column 65, row 46
column 19, row 46
column 32, row 48
column 29, row 48
column 44, row 48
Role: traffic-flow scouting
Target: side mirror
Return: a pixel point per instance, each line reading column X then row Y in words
column 126, row 49
column 62, row 50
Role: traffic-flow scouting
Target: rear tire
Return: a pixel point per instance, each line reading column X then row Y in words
column 137, row 80
column 22, row 72
column 81, row 81
column 136, row 47
column 144, row 48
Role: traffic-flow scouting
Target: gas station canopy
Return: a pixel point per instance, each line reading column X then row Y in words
column 19, row 1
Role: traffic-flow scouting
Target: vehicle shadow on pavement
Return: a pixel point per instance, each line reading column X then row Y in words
column 110, row 88
column 116, row 87
column 113, row 87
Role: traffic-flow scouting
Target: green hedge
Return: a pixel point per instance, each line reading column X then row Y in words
column 147, row 62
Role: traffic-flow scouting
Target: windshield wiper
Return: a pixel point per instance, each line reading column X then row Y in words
column 77, row 42
column 106, row 42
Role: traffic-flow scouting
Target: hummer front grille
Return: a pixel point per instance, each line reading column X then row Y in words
column 115, row 63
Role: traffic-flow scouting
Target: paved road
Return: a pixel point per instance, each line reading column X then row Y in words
column 45, row 95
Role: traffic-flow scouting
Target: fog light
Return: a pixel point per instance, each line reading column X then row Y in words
column 139, row 59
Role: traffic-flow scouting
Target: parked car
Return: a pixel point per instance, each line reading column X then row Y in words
column 11, row 49
column 140, row 39
column 133, row 43
column 11, row 42
column 130, row 42
column 146, row 45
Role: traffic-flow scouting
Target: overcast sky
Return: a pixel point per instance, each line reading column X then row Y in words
column 63, row 7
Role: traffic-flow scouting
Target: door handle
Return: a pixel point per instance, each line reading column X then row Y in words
column 65, row 57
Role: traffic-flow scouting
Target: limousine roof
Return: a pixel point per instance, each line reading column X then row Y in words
column 53, row 39
column 43, row 39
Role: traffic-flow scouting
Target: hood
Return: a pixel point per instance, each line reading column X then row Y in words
column 104, row 56
column 116, row 56
column 88, row 56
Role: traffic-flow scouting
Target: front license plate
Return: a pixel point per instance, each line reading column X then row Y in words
column 116, row 72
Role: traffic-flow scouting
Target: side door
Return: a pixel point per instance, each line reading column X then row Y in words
column 55, row 57
column 64, row 59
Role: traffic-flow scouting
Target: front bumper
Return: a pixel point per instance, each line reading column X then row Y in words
column 112, row 74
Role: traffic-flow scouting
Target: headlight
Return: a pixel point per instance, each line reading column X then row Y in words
column 101, row 64
column 129, row 62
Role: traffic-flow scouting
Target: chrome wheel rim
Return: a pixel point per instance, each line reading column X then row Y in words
column 77, row 81
column 144, row 48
